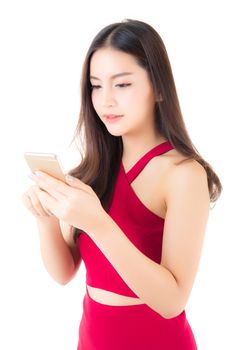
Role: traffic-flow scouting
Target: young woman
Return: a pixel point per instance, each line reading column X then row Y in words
column 135, row 209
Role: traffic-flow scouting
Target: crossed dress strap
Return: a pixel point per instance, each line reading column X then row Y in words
column 141, row 163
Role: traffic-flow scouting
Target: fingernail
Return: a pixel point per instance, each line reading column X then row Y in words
column 38, row 173
column 69, row 178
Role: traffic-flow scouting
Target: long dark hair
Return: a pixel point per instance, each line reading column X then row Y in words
column 102, row 151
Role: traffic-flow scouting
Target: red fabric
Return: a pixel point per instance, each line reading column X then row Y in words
column 131, row 327
column 140, row 225
column 105, row 327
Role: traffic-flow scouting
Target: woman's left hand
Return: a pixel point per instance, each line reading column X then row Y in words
column 73, row 202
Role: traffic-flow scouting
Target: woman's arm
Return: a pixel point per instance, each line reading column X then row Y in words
column 164, row 287
column 68, row 235
column 60, row 256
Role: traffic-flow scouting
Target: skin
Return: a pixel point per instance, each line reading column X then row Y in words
column 136, row 102
column 182, row 190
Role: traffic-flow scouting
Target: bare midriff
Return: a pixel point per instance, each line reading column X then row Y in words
column 109, row 298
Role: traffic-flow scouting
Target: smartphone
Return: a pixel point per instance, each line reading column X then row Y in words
column 46, row 162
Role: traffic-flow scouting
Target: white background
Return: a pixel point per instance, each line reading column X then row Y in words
column 43, row 44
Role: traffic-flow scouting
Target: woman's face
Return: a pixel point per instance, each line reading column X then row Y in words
column 121, row 87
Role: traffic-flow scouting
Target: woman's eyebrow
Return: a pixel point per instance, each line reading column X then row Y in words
column 113, row 76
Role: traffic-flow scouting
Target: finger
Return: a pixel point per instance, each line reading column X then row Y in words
column 74, row 182
column 35, row 200
column 56, row 188
column 47, row 201
column 28, row 204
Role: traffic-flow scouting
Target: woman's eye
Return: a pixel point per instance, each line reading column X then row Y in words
column 95, row 87
column 123, row 85
column 120, row 85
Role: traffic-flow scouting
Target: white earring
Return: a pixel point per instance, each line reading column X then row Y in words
column 159, row 98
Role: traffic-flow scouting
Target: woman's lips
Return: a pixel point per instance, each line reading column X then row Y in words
column 112, row 117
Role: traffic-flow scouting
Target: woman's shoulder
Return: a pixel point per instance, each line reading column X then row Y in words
column 175, row 167
column 182, row 164
column 180, row 169
column 174, row 160
column 167, row 166
column 162, row 174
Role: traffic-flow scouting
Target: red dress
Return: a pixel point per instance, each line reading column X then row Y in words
column 136, row 327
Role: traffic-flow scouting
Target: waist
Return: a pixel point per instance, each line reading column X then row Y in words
column 109, row 298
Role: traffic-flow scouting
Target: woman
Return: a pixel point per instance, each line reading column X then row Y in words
column 135, row 209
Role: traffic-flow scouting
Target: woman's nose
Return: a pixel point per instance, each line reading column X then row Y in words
column 108, row 98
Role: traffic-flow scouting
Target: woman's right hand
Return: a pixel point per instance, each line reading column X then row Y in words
column 33, row 204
